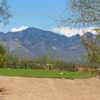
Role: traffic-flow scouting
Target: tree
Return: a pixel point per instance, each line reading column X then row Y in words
column 5, row 14
column 86, row 13
column 2, row 55
column 93, row 51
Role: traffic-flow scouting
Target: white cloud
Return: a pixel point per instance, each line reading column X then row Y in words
column 71, row 32
column 18, row 29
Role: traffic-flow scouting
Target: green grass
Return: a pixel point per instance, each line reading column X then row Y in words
column 43, row 74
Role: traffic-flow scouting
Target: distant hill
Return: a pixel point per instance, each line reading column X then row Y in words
column 33, row 42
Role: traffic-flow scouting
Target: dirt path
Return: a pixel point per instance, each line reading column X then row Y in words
column 49, row 89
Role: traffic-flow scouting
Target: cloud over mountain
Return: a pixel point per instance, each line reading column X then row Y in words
column 69, row 32
column 18, row 29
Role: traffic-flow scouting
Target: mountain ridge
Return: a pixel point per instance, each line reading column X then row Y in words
column 34, row 42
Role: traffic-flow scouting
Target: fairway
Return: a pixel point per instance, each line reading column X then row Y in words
column 44, row 74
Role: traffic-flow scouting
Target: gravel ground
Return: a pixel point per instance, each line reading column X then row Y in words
column 17, row 88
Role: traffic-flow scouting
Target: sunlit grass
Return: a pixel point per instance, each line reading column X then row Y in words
column 44, row 74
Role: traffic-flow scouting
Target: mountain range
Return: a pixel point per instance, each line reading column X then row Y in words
column 33, row 42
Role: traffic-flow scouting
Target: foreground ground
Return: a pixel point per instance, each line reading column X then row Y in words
column 17, row 88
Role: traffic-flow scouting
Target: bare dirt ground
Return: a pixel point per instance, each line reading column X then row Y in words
column 49, row 89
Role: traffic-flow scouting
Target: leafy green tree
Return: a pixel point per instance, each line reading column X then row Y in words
column 93, row 51
column 2, row 55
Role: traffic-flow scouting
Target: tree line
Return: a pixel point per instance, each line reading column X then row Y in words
column 43, row 62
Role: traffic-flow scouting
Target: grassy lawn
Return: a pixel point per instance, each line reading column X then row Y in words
column 43, row 74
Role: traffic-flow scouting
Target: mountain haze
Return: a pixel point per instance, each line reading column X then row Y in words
column 34, row 42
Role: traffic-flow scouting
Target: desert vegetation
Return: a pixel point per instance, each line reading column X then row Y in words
column 42, row 67
column 42, row 63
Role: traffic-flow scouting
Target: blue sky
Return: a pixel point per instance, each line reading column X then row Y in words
column 37, row 13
